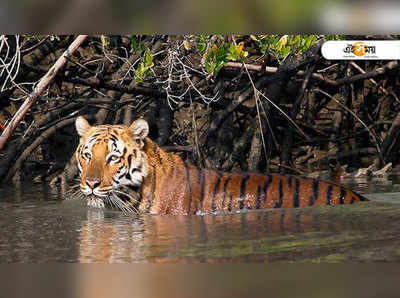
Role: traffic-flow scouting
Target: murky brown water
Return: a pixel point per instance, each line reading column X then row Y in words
column 36, row 226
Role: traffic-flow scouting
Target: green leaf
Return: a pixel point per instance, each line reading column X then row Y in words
column 148, row 59
column 134, row 43
column 285, row 51
column 105, row 41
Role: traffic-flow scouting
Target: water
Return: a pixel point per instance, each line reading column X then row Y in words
column 37, row 226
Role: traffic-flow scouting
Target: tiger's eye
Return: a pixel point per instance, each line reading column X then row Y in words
column 86, row 155
column 114, row 158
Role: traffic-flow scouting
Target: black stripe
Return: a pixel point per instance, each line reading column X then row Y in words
column 329, row 195
column 342, row 195
column 243, row 191
column 151, row 200
column 79, row 168
column 279, row 203
column 129, row 162
column 201, row 180
column 314, row 197
column 230, row 204
column 289, row 181
column 114, row 138
column 225, row 185
column 213, row 207
column 113, row 145
column 93, row 136
column 189, row 186
column 296, row 194
column 258, row 197
column 266, row 185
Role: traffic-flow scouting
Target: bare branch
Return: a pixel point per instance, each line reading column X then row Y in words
column 43, row 83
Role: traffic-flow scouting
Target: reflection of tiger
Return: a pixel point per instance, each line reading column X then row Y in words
column 112, row 158
column 272, row 235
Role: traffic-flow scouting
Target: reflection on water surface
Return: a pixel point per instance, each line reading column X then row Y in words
column 36, row 226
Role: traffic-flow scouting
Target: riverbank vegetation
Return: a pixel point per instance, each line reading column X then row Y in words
column 258, row 103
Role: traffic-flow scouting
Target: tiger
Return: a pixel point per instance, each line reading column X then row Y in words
column 120, row 166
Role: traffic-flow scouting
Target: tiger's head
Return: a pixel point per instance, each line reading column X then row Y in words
column 110, row 157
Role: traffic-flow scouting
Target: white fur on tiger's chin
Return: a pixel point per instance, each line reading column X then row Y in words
column 96, row 202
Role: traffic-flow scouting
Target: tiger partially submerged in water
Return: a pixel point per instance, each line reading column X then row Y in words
column 120, row 166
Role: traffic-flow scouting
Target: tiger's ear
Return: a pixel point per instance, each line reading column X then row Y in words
column 82, row 126
column 140, row 130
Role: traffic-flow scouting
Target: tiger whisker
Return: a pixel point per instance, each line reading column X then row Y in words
column 107, row 200
column 73, row 195
column 126, row 194
column 122, row 205
column 76, row 196
column 115, row 202
column 112, row 202
column 75, row 186
column 72, row 188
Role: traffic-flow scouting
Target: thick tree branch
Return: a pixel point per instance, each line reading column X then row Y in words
column 43, row 83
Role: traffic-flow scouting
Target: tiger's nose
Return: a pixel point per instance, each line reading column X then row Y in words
column 93, row 183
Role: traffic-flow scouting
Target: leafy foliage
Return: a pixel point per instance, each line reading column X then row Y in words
column 335, row 37
column 217, row 56
column 144, row 66
column 146, row 62
column 281, row 46
column 217, row 50
column 137, row 46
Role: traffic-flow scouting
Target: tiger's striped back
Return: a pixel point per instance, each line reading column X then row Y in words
column 228, row 192
column 182, row 188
